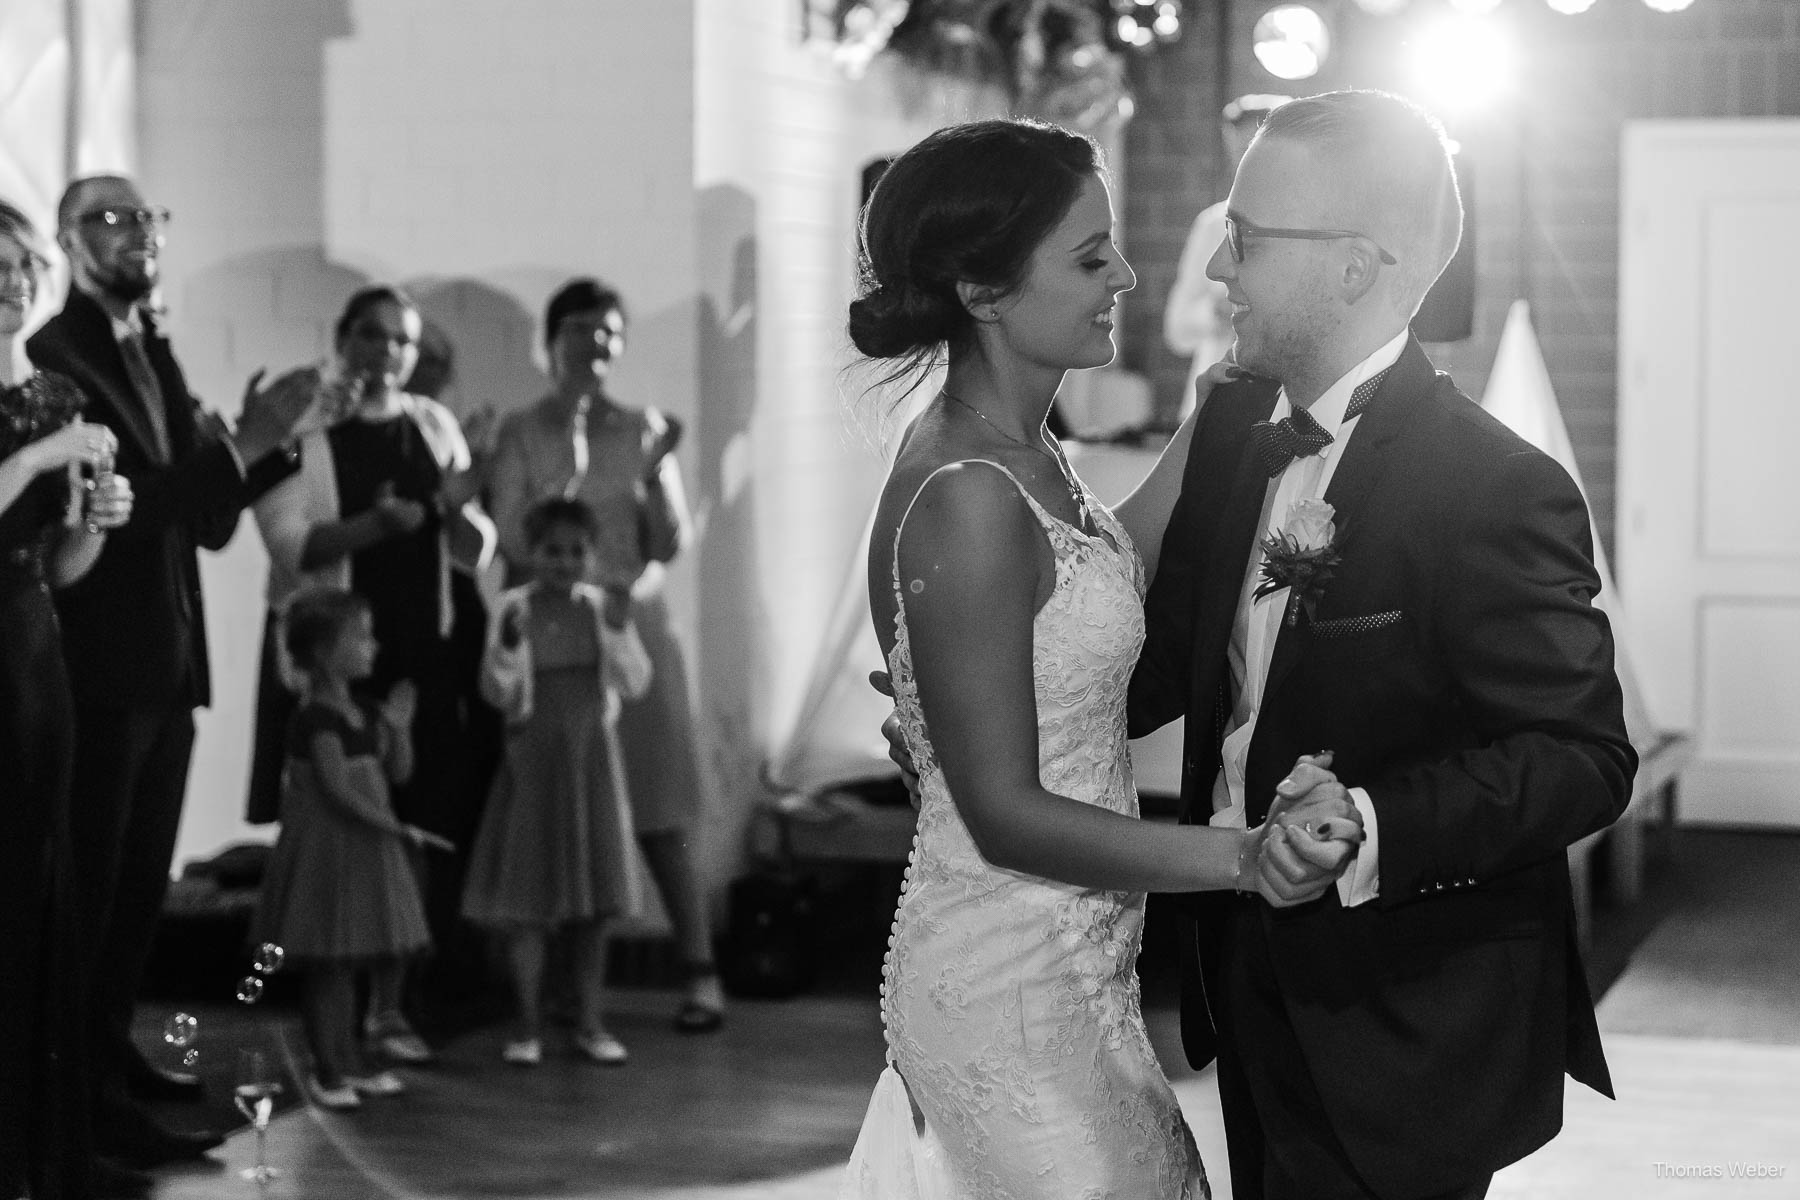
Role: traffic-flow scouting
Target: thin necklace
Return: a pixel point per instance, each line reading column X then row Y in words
column 1062, row 466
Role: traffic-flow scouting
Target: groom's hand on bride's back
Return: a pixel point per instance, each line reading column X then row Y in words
column 890, row 729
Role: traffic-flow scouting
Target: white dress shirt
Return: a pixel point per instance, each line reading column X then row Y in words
column 1258, row 621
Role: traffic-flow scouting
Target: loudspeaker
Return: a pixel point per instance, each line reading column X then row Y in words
column 770, row 950
column 1448, row 314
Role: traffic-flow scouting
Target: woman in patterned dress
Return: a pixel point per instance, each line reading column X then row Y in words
column 46, row 540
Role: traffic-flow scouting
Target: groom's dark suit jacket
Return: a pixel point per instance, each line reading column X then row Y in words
column 1485, row 721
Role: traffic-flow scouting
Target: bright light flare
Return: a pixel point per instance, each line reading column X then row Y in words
column 1381, row 8
column 1570, row 7
column 1668, row 5
column 1462, row 64
column 1292, row 41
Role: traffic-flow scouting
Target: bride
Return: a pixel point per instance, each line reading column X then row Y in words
column 1009, row 606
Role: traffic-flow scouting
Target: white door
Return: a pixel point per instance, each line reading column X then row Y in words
column 1709, row 452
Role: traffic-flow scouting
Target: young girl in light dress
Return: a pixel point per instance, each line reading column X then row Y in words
column 339, row 894
column 554, row 850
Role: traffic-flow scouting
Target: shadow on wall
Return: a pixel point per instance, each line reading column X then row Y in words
column 732, row 628
column 492, row 336
column 273, row 307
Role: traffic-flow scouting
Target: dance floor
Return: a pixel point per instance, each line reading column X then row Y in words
column 1702, row 1030
column 768, row 1110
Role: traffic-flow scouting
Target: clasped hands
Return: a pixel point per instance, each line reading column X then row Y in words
column 1308, row 839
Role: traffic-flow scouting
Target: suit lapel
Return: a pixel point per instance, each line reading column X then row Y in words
column 178, row 409
column 91, row 329
column 1366, row 460
column 1236, row 537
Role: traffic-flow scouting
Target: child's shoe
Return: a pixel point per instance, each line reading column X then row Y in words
column 341, row 1098
column 395, row 1039
column 602, row 1047
column 382, row 1083
column 525, row 1052
column 703, row 1009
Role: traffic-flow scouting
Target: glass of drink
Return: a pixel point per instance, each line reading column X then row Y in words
column 254, row 1094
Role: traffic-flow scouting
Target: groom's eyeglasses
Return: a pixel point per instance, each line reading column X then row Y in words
column 1237, row 229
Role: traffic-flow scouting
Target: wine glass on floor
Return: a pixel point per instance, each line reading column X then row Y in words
column 255, row 1092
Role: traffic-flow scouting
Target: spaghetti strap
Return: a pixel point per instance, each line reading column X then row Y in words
column 988, row 462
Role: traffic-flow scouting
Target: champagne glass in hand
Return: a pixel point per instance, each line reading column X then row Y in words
column 254, row 1094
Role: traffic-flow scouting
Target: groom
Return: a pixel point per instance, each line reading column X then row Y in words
column 1405, row 1035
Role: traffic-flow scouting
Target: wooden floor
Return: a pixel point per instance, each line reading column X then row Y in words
column 768, row 1108
column 768, row 1111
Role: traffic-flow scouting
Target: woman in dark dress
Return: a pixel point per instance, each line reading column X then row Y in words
column 43, row 1126
column 383, row 506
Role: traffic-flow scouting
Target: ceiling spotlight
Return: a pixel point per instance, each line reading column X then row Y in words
column 1291, row 41
column 1668, row 5
column 1461, row 64
column 1570, row 7
column 1475, row 7
column 1381, row 8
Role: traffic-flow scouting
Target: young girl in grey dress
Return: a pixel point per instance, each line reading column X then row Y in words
column 554, row 850
column 340, row 895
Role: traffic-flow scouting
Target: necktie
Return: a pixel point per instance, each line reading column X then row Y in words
column 1278, row 443
column 143, row 381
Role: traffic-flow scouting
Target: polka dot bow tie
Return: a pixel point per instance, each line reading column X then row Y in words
column 1278, row 443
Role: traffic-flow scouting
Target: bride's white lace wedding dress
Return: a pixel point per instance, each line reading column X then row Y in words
column 1011, row 1001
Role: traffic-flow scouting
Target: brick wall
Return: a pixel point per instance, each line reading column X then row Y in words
column 1546, row 165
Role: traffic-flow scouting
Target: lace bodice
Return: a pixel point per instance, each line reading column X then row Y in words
column 1085, row 641
column 1011, row 1001
column 34, row 409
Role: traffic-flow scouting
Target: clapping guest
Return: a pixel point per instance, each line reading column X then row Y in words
column 339, row 893
column 384, row 494
column 46, row 540
column 581, row 442
column 134, row 629
column 554, row 850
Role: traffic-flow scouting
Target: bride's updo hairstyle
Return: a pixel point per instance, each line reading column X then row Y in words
column 969, row 203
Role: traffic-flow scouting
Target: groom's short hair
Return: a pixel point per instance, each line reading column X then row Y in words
column 1391, row 160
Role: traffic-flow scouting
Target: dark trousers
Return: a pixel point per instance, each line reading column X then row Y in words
column 131, row 768
column 1277, row 1132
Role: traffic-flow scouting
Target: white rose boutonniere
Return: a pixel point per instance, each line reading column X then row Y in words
column 1300, row 557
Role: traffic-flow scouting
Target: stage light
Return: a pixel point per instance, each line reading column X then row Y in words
column 1461, row 64
column 1668, row 5
column 1381, row 8
column 1570, row 7
column 1291, row 41
column 1475, row 7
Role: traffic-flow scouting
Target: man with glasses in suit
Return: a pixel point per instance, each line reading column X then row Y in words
column 134, row 630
